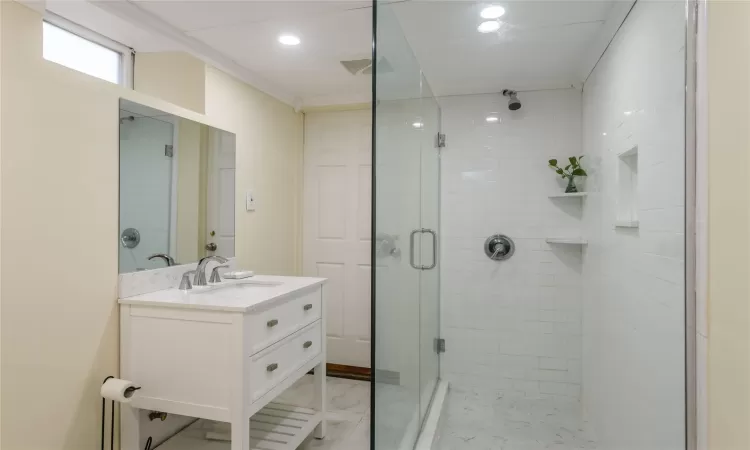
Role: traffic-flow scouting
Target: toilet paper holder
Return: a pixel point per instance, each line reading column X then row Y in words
column 129, row 391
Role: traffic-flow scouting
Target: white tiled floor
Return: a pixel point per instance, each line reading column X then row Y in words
column 348, row 412
column 493, row 420
column 472, row 419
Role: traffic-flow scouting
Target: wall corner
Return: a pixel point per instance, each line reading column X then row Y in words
column 176, row 77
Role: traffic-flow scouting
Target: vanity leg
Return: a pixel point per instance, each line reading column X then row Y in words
column 241, row 434
column 320, row 398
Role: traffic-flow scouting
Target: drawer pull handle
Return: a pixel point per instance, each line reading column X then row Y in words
column 308, row 307
column 272, row 323
column 272, row 367
column 307, row 344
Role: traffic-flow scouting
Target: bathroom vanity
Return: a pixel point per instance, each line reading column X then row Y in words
column 223, row 353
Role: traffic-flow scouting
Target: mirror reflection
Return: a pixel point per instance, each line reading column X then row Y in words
column 176, row 189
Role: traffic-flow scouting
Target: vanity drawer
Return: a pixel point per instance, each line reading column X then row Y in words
column 268, row 368
column 266, row 327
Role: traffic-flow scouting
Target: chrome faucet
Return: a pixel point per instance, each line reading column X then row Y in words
column 167, row 259
column 185, row 284
column 215, row 277
column 200, row 272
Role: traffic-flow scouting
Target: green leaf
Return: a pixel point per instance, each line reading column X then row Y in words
column 579, row 173
column 567, row 167
column 580, row 157
column 560, row 171
column 553, row 162
column 573, row 161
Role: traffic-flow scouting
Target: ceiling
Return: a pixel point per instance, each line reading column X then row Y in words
column 541, row 44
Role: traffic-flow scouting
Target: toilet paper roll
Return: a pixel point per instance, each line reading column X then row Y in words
column 118, row 390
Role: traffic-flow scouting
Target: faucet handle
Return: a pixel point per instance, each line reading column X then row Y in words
column 185, row 284
column 215, row 277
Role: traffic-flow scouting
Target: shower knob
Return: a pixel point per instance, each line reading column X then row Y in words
column 499, row 247
column 130, row 238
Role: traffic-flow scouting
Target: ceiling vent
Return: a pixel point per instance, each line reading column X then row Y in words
column 364, row 66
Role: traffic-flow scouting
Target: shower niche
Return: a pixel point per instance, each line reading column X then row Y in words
column 627, row 189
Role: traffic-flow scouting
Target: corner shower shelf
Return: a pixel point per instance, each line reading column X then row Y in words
column 567, row 241
column 569, row 195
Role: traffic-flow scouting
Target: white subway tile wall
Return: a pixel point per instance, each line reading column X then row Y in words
column 516, row 324
column 633, row 279
column 604, row 322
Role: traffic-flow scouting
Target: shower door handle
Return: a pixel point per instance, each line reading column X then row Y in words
column 411, row 249
column 434, row 249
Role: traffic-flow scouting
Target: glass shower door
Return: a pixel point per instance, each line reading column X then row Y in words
column 429, row 283
column 405, row 253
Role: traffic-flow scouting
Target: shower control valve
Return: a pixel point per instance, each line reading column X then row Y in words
column 499, row 247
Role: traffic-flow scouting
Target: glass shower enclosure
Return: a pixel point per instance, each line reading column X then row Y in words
column 406, row 228
column 586, row 338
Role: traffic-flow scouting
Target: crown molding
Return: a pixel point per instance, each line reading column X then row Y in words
column 143, row 19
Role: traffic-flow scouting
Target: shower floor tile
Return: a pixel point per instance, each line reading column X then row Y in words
column 474, row 419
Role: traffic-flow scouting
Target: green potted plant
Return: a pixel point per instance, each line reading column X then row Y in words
column 570, row 171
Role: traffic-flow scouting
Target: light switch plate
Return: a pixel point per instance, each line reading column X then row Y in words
column 250, row 201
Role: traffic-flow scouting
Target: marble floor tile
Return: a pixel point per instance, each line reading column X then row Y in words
column 472, row 419
column 343, row 395
column 348, row 414
column 484, row 420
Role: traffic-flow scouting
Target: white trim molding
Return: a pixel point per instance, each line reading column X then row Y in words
column 147, row 21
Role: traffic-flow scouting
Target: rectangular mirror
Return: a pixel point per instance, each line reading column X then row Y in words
column 176, row 189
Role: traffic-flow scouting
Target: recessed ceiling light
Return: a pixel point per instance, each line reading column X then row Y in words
column 627, row 113
column 604, row 134
column 492, row 119
column 489, row 26
column 289, row 39
column 492, row 12
column 418, row 125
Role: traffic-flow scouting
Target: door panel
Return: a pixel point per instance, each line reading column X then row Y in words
column 336, row 227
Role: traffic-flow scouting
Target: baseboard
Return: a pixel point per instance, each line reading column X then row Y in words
column 348, row 372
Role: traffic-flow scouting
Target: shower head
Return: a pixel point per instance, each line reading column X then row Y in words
column 514, row 103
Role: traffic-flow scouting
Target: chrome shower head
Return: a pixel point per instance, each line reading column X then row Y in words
column 514, row 103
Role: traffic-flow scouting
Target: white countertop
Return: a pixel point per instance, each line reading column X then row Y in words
column 230, row 295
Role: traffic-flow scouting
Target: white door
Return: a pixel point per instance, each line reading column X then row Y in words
column 220, row 223
column 336, row 226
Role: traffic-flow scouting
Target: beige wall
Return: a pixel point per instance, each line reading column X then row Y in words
column 189, row 142
column 59, row 194
column 729, row 225
column 269, row 161
column 176, row 77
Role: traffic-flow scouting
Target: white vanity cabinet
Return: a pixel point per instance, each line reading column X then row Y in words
column 223, row 354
